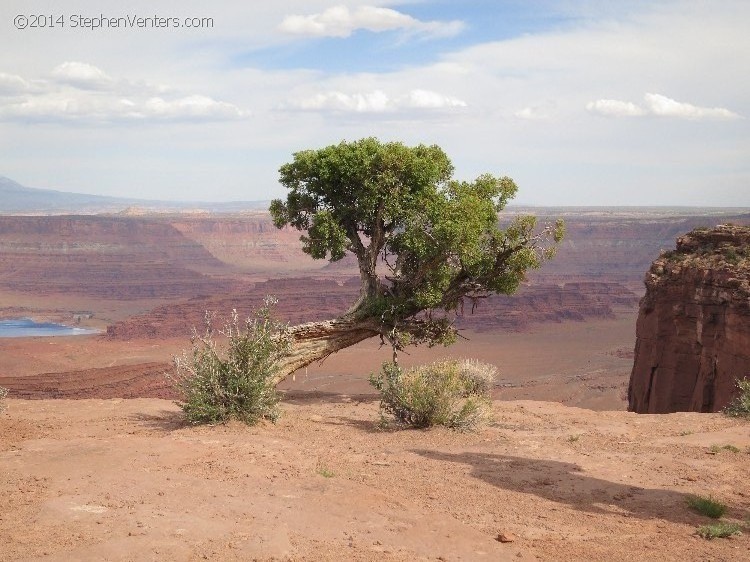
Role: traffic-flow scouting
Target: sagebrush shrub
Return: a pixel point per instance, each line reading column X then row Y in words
column 235, row 381
column 740, row 406
column 449, row 393
column 479, row 376
column 3, row 394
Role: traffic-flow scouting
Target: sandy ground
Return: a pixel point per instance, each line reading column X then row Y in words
column 576, row 363
column 115, row 479
column 126, row 480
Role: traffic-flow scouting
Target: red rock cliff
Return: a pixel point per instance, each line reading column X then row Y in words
column 693, row 331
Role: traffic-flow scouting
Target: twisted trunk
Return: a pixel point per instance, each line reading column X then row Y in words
column 315, row 341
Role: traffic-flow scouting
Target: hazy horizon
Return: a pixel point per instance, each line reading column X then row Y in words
column 676, row 209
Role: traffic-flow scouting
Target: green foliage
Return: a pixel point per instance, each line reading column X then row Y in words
column 706, row 506
column 721, row 529
column 3, row 394
column 740, row 406
column 673, row 256
column 438, row 238
column 354, row 186
column 236, row 381
column 324, row 471
column 732, row 256
column 449, row 393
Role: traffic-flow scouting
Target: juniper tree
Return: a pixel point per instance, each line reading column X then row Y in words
column 425, row 243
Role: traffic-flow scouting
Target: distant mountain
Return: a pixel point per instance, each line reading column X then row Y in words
column 16, row 198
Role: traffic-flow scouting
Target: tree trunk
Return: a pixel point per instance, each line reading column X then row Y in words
column 315, row 341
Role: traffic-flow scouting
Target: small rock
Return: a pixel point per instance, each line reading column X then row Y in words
column 505, row 537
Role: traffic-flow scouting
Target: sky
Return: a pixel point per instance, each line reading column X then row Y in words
column 581, row 102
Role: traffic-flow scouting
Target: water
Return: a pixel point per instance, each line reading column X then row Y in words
column 26, row 327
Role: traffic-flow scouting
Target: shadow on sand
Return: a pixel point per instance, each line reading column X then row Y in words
column 568, row 483
column 166, row 420
column 304, row 397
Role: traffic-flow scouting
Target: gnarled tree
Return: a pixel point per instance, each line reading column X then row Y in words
column 424, row 242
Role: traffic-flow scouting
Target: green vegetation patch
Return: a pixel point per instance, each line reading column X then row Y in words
column 719, row 530
column 325, row 472
column 740, row 406
column 236, row 381
column 707, row 506
column 454, row 394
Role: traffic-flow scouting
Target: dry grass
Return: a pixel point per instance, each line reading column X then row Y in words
column 451, row 393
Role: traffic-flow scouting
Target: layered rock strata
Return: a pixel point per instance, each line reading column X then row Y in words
column 693, row 330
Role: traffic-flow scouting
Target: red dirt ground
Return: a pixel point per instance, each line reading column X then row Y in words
column 126, row 480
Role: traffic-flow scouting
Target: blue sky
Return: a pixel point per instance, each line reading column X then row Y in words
column 367, row 51
column 581, row 102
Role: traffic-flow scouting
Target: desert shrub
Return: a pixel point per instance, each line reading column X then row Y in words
column 731, row 256
column 740, row 406
column 707, row 506
column 453, row 394
column 480, row 377
column 3, row 394
column 234, row 381
column 721, row 529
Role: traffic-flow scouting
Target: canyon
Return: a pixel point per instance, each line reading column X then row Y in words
column 149, row 279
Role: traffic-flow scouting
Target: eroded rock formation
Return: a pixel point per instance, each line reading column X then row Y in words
column 313, row 300
column 693, row 331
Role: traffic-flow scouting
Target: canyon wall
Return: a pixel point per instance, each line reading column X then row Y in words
column 307, row 300
column 250, row 242
column 182, row 256
column 104, row 257
column 693, row 330
column 618, row 248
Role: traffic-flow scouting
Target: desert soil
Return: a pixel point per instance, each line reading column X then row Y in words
column 583, row 364
column 127, row 480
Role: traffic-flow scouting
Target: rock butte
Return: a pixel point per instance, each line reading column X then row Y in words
column 693, row 330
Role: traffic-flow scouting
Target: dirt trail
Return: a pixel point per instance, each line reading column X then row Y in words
column 126, row 480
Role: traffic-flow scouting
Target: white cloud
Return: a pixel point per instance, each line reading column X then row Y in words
column 82, row 75
column 340, row 21
column 615, row 108
column 666, row 107
column 84, row 93
column 426, row 99
column 660, row 106
column 377, row 101
column 11, row 84
column 191, row 107
column 369, row 102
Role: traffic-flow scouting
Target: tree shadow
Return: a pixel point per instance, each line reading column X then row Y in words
column 367, row 426
column 165, row 421
column 305, row 397
column 567, row 483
